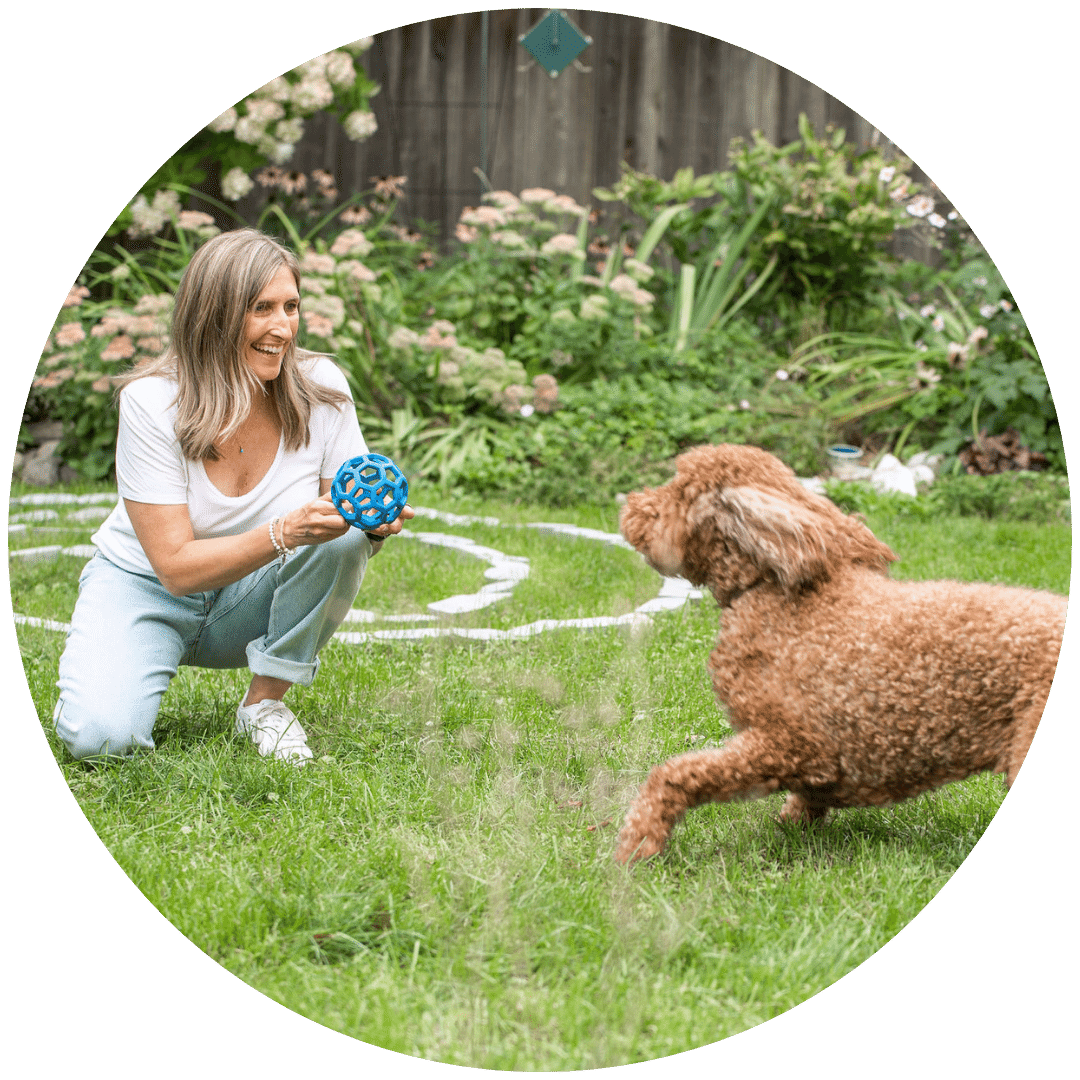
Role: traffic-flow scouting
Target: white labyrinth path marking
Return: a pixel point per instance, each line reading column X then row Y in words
column 503, row 573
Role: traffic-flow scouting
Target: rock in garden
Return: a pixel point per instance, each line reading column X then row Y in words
column 41, row 465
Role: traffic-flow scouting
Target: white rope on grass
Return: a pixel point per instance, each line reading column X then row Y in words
column 503, row 573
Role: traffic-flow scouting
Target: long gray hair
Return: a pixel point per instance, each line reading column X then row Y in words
column 215, row 388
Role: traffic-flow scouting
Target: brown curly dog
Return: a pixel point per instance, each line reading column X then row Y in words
column 845, row 688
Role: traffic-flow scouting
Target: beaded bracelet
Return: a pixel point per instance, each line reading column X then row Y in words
column 279, row 546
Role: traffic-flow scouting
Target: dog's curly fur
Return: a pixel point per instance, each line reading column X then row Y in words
column 845, row 688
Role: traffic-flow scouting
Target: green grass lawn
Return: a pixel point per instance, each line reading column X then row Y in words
column 439, row 881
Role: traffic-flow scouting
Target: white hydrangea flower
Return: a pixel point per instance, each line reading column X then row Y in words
column 360, row 124
column 312, row 93
column 225, row 122
column 236, row 184
column 920, row 206
column 279, row 152
column 277, row 89
column 248, row 130
column 264, row 111
column 290, row 130
column 313, row 68
column 339, row 69
column 150, row 218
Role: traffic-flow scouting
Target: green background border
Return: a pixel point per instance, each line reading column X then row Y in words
column 96, row 981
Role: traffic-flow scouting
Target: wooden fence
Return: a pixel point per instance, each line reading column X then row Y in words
column 656, row 96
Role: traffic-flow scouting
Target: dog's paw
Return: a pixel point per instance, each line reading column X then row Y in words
column 798, row 811
column 633, row 846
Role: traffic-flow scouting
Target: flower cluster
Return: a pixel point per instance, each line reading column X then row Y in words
column 272, row 118
column 462, row 373
column 123, row 333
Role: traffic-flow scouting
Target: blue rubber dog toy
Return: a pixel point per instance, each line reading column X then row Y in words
column 369, row 491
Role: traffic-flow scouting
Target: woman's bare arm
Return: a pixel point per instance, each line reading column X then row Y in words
column 185, row 565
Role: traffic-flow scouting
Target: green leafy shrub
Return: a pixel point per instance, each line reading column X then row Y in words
column 1014, row 496
column 821, row 214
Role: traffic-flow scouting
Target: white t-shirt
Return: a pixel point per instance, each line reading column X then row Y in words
column 150, row 468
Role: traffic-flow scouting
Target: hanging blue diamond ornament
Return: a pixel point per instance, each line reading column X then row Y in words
column 555, row 42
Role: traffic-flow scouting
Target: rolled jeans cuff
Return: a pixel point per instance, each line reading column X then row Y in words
column 277, row 667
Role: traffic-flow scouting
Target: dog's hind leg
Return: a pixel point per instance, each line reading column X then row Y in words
column 747, row 767
column 1024, row 727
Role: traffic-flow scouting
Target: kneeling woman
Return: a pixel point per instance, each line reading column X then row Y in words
column 224, row 550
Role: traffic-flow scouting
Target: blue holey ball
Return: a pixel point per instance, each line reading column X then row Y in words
column 369, row 491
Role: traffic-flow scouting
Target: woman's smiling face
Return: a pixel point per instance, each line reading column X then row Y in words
column 272, row 321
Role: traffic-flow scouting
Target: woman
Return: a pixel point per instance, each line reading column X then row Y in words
column 225, row 549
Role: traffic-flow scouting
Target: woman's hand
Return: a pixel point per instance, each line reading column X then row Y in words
column 383, row 531
column 314, row 523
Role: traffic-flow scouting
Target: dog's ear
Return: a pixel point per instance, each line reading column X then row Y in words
column 795, row 539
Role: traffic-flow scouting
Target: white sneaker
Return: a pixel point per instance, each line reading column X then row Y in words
column 274, row 730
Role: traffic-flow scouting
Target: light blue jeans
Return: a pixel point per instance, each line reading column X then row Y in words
column 129, row 635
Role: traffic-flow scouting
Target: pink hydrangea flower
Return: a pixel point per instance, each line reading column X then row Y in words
column 482, row 215
column 560, row 244
column 314, row 263
column 356, row 270
column 537, row 195
column 317, row 324
column 120, row 348
column 505, row 200
column 70, row 334
column 351, row 242
column 76, row 295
